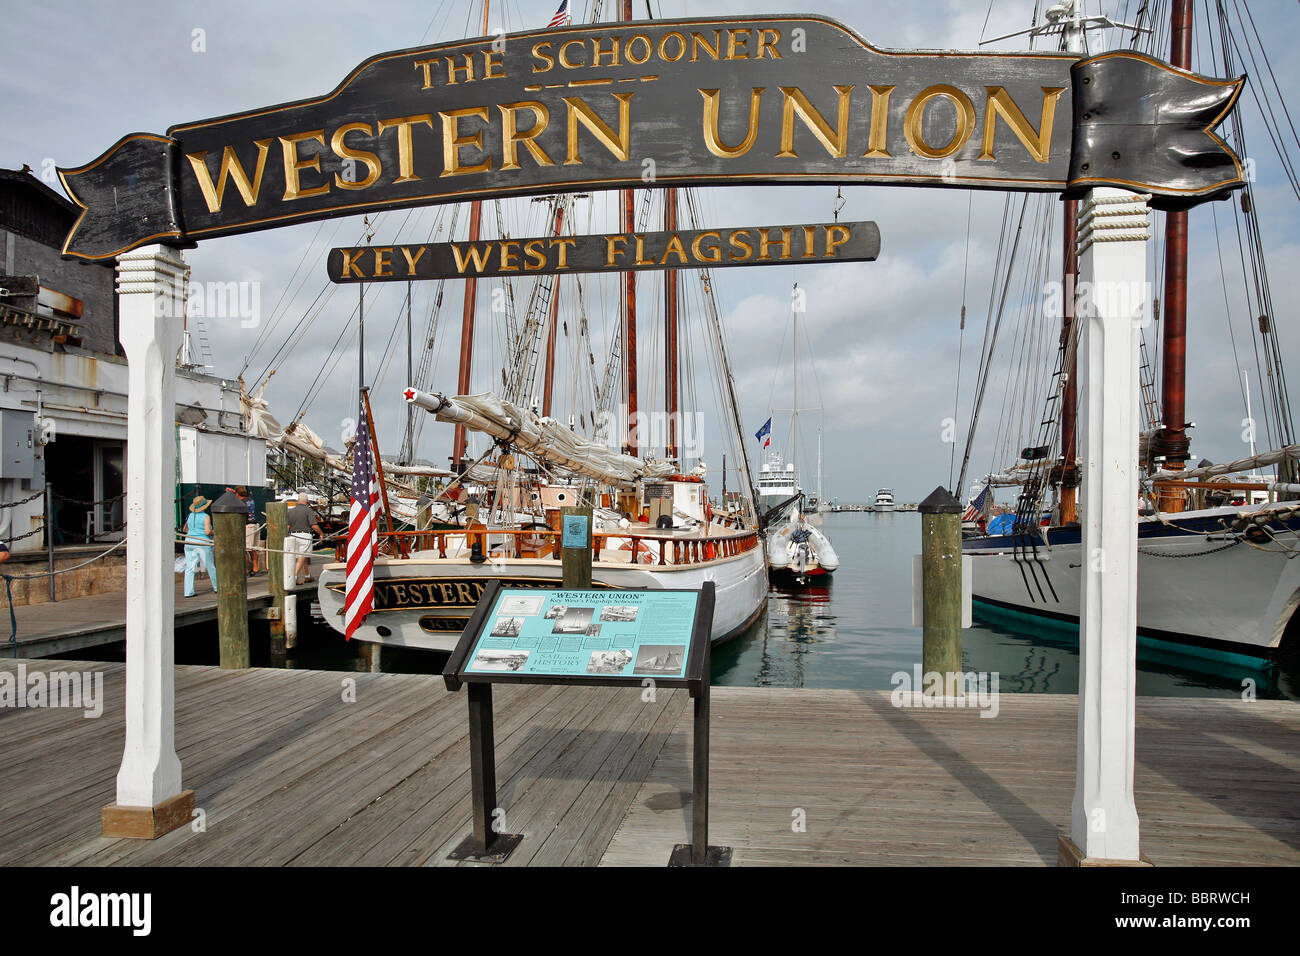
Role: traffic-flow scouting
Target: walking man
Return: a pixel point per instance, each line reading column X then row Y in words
column 302, row 523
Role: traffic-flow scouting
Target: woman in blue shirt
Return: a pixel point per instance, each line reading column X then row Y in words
column 198, row 544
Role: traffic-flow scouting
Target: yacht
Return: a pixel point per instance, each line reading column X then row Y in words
column 884, row 500
column 777, row 482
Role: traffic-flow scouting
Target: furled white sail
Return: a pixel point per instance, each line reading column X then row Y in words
column 544, row 438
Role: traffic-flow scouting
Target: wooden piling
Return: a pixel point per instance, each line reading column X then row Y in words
column 229, row 517
column 575, row 554
column 277, row 522
column 941, row 582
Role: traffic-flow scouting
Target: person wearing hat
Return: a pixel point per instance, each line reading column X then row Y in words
column 198, row 544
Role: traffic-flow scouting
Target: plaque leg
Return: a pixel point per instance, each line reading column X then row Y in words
column 484, row 844
column 698, row 852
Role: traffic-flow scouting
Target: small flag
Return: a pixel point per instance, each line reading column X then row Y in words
column 561, row 18
column 979, row 506
column 766, row 430
column 359, row 595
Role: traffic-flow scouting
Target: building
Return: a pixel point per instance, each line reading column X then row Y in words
column 63, row 385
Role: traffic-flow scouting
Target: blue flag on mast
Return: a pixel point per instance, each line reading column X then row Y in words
column 766, row 430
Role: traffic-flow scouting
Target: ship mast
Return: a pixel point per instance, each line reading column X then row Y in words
column 458, row 442
column 552, row 324
column 1172, row 441
column 629, row 308
column 670, row 331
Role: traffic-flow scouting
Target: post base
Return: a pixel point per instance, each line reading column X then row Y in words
column 1067, row 854
column 683, row 855
column 147, row 823
column 497, row 852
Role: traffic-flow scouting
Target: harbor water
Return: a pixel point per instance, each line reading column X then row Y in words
column 856, row 633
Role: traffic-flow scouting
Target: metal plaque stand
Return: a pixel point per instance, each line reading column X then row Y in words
column 698, row 852
column 483, row 845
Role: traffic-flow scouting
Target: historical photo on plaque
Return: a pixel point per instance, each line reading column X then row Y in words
column 574, row 620
column 660, row 659
column 619, row 612
column 494, row 660
column 507, row 627
column 608, row 662
column 522, row 606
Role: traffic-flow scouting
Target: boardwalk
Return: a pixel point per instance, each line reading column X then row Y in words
column 288, row 773
column 60, row 627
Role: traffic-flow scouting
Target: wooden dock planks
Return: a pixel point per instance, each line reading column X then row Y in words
column 288, row 772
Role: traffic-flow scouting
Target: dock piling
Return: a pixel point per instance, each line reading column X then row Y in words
column 229, row 517
column 277, row 522
column 575, row 548
column 941, row 583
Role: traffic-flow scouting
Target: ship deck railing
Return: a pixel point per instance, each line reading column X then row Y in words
column 644, row 545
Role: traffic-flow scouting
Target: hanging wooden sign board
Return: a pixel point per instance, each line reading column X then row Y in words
column 752, row 100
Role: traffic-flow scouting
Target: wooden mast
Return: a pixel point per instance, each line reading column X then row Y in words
column 629, row 307
column 670, row 331
column 1172, row 441
column 552, row 324
column 1069, row 476
column 458, row 443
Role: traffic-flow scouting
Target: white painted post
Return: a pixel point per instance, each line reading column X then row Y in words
column 151, row 295
column 1113, row 229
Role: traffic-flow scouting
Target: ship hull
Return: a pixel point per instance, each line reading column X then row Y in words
column 425, row 602
column 1215, row 598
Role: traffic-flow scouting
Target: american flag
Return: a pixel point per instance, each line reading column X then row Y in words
column 979, row 506
column 561, row 18
column 359, row 598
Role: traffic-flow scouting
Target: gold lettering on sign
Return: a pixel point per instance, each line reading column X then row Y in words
column 597, row 53
column 581, row 113
column 511, row 138
column 878, row 142
column 564, row 245
column 713, row 140
column 663, row 47
column 425, row 66
column 697, row 41
column 614, row 247
column 646, row 49
column 1000, row 103
column 913, row 124
column 764, row 240
column 383, row 266
column 739, row 242
column 356, row 155
column 405, row 151
column 230, row 169
column 453, row 142
column 534, row 254
column 834, row 140
column 767, row 41
column 293, row 165
column 540, row 53
column 478, row 257
column 831, row 242
column 412, row 260
column 350, row 267
column 713, row 253
column 467, row 68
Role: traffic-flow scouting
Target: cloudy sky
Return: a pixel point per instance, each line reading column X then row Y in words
column 884, row 336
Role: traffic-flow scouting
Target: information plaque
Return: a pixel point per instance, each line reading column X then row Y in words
column 633, row 639
column 539, row 635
